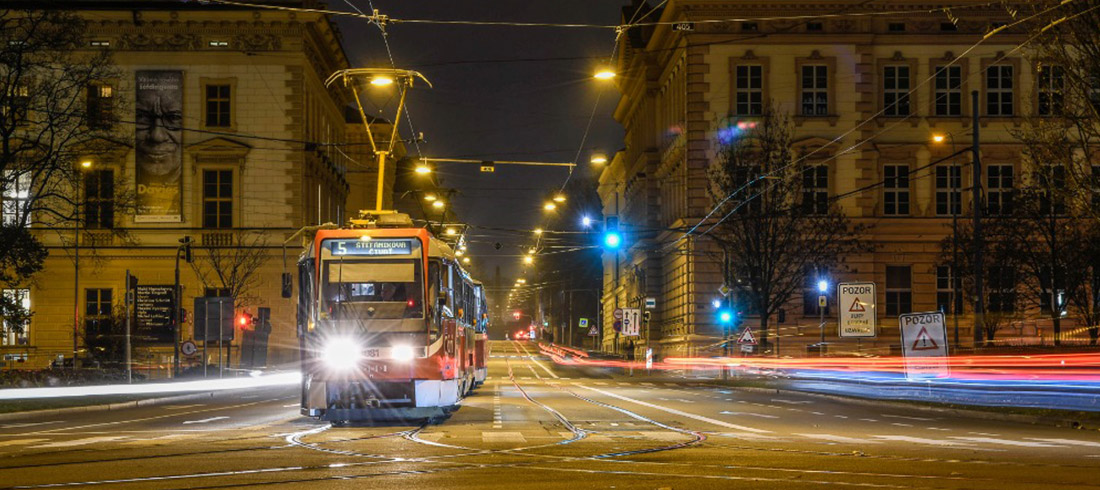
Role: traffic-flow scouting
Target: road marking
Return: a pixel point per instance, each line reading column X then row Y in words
column 761, row 415
column 919, row 419
column 899, row 424
column 502, row 437
column 292, row 405
column 153, row 441
column 29, row 424
column 869, row 420
column 183, row 407
column 20, row 442
column 840, row 416
column 1007, row 442
column 1071, row 442
column 204, row 421
column 791, row 402
column 678, row 412
column 938, row 428
column 79, row 442
column 985, row 434
column 921, row 440
column 748, row 437
column 836, row 438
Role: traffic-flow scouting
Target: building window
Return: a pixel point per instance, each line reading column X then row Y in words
column 750, row 26
column 948, row 194
column 1002, row 290
column 815, row 190
column 1047, row 294
column 895, row 90
column 16, row 334
column 99, row 43
column 948, row 91
column 217, row 43
column 749, row 177
column 998, row 182
column 217, row 198
column 1052, row 84
column 815, row 27
column 945, row 291
column 216, row 292
column 218, row 106
column 1052, row 184
column 97, row 311
column 17, row 198
column 895, row 27
column 750, row 90
column 998, row 90
column 99, row 199
column 899, row 290
column 895, row 190
column 948, row 27
column 100, row 107
column 815, row 90
column 1094, row 91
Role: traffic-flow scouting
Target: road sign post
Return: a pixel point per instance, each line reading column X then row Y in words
column 924, row 345
column 632, row 322
column 856, row 305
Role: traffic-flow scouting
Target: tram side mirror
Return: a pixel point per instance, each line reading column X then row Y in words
column 288, row 286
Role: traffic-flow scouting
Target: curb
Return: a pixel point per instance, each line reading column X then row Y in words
column 924, row 407
column 104, row 407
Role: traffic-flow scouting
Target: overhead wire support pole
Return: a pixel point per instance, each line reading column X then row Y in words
column 979, row 240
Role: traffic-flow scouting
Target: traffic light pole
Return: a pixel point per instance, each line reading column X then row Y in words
column 129, row 364
column 976, row 205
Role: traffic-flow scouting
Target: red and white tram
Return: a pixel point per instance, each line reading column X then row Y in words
column 390, row 324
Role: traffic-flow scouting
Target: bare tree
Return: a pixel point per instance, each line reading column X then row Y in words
column 235, row 266
column 47, row 123
column 1001, row 275
column 776, row 224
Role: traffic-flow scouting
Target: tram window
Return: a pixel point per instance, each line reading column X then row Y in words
column 372, row 289
column 435, row 322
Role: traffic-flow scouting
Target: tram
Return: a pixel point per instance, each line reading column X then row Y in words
column 390, row 324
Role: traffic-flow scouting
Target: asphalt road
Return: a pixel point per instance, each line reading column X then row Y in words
column 534, row 425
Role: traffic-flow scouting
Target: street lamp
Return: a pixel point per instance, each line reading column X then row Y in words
column 538, row 231
column 423, row 168
column 438, row 204
column 955, row 195
column 77, row 228
column 549, row 206
column 598, row 159
column 528, row 260
column 586, row 221
column 559, row 198
column 604, row 74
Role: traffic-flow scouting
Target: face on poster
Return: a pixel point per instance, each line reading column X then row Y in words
column 158, row 145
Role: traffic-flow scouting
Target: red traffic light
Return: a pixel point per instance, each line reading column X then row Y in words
column 516, row 314
column 244, row 320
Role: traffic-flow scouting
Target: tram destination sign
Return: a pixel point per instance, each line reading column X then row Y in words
column 376, row 246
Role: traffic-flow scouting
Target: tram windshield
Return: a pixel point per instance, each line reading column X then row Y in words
column 368, row 289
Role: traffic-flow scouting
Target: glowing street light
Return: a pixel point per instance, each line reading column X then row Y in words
column 423, row 168
column 938, row 138
column 604, row 74
column 465, row 260
column 598, row 159
column 549, row 206
column 528, row 260
column 381, row 81
column 86, row 164
column 451, row 231
column 559, row 197
column 538, row 231
column 430, row 197
column 586, row 221
column 438, row 204
column 822, row 286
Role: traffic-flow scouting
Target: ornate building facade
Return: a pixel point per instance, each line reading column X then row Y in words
column 836, row 77
column 229, row 138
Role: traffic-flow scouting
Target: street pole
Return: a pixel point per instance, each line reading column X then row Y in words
column 129, row 365
column 976, row 178
column 76, row 270
column 176, row 320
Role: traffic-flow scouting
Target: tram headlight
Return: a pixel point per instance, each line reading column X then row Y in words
column 403, row 353
column 342, row 354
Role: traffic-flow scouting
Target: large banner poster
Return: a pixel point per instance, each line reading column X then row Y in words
column 159, row 145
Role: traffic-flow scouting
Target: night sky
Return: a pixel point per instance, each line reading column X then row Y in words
column 519, row 93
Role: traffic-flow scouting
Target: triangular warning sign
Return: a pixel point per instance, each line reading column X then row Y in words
column 856, row 307
column 924, row 341
column 593, row 331
column 747, row 337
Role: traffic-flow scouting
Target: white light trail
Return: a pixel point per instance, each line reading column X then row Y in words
column 281, row 379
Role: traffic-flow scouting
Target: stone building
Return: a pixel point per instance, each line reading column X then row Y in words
column 835, row 76
column 257, row 149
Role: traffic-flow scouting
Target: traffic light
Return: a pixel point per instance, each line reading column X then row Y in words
column 612, row 237
column 516, row 314
column 725, row 316
column 245, row 320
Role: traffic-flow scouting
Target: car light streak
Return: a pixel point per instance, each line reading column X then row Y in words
column 280, row 379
